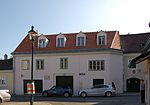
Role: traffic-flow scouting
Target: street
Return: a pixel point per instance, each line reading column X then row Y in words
column 123, row 99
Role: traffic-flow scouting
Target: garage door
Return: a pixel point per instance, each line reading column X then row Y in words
column 64, row 81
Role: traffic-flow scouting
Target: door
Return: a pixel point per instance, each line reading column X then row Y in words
column 38, row 85
column 64, row 81
column 133, row 85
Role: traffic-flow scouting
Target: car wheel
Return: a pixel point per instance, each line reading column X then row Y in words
column 66, row 94
column 45, row 94
column 83, row 94
column 108, row 94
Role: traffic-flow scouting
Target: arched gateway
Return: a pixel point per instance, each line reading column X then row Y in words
column 133, row 85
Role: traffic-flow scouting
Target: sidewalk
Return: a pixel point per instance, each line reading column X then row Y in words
column 130, row 94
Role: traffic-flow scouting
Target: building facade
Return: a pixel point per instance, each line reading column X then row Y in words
column 6, row 74
column 79, row 60
column 132, row 46
column 144, row 57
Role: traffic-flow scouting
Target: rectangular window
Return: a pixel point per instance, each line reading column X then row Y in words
column 63, row 63
column 42, row 43
column 60, row 42
column 101, row 40
column 98, row 81
column 25, row 64
column 39, row 64
column 2, row 81
column 80, row 41
column 96, row 65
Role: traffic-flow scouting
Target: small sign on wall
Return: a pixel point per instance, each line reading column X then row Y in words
column 81, row 74
column 46, row 77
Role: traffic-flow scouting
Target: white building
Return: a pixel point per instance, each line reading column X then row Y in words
column 79, row 60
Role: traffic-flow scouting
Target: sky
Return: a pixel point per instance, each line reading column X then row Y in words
column 69, row 16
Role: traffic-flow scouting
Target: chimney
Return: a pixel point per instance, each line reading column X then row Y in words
column 5, row 57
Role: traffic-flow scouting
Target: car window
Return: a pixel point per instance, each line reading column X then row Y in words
column 100, row 86
column 65, row 87
column 58, row 87
column 105, row 86
column 97, row 86
column 53, row 87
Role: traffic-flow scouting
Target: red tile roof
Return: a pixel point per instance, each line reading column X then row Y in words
column 91, row 42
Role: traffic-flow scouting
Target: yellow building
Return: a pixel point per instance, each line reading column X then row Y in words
column 144, row 57
column 6, row 74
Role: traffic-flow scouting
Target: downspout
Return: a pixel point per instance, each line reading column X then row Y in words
column 14, row 84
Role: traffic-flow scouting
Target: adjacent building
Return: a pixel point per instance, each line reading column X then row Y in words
column 132, row 46
column 6, row 73
column 144, row 57
column 79, row 60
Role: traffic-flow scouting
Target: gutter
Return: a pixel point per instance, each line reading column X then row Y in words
column 139, row 59
column 68, row 51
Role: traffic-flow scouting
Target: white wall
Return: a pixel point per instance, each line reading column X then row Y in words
column 116, row 71
column 128, row 71
column 77, row 63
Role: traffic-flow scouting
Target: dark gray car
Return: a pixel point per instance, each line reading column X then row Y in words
column 58, row 91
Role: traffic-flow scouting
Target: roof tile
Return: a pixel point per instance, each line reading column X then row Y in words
column 25, row 45
column 131, row 43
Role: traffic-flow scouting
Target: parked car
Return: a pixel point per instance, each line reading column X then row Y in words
column 4, row 96
column 98, row 90
column 58, row 91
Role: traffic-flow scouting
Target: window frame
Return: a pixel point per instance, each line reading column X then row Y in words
column 101, row 38
column 81, row 40
column 64, row 63
column 25, row 64
column 96, row 65
column 39, row 64
column 60, row 41
column 3, row 81
column 97, row 81
column 42, row 41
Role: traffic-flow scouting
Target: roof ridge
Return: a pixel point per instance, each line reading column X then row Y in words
column 78, row 32
column 135, row 34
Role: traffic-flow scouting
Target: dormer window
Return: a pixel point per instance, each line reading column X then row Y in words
column 80, row 39
column 101, row 38
column 42, row 41
column 61, row 40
